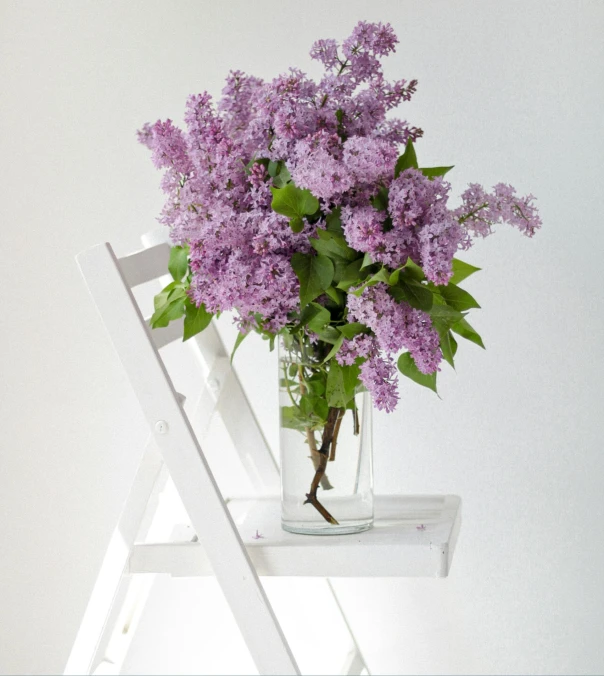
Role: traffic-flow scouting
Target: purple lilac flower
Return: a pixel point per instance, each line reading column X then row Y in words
column 378, row 371
column 397, row 325
column 379, row 375
column 480, row 211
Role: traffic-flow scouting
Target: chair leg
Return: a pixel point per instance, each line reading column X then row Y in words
column 354, row 662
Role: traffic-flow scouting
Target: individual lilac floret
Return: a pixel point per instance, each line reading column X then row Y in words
column 397, row 325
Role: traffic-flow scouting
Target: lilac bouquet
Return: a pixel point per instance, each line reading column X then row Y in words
column 290, row 203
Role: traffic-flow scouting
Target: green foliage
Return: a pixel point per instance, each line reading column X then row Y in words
column 196, row 319
column 457, row 298
column 461, row 271
column 382, row 275
column 341, row 383
column 178, row 264
column 407, row 160
column 353, row 329
column 334, row 245
column 448, row 346
column 169, row 305
column 351, row 274
column 333, row 221
column 315, row 274
column 407, row 366
column 380, row 200
column 433, row 172
column 292, row 417
column 464, row 329
column 240, row 338
column 366, row 261
column 443, row 312
column 295, row 203
column 315, row 317
column 413, row 292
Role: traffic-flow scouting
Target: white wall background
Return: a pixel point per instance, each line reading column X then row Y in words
column 509, row 91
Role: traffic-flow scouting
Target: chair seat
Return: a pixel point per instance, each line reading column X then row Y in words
column 412, row 536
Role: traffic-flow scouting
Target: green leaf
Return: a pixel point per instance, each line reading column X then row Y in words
column 273, row 168
column 366, row 261
column 178, row 263
column 461, row 271
column 407, row 366
column 457, row 298
column 320, row 317
column 315, row 274
column 333, row 221
column 407, row 160
column 351, row 275
column 464, row 329
column 240, row 338
column 296, row 224
column 381, row 275
column 320, row 407
column 413, row 270
column 335, row 295
column 160, row 299
column 448, row 346
column 380, row 200
column 282, row 178
column 432, row 172
column 341, row 383
column 353, row 329
column 316, row 385
column 196, row 319
column 444, row 312
column 333, row 245
column 334, row 350
column 293, row 418
column 294, row 202
column 167, row 313
column 414, row 293
column 329, row 334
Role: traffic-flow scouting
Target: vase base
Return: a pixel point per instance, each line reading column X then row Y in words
column 314, row 528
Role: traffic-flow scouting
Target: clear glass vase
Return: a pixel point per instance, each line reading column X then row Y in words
column 326, row 452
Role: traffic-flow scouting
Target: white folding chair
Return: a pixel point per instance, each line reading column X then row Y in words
column 412, row 536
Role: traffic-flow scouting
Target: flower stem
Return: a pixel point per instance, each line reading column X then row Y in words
column 310, row 437
column 328, row 435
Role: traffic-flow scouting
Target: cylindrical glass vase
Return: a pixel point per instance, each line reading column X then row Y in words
column 326, row 452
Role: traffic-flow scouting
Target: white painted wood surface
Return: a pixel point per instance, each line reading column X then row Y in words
column 185, row 460
column 413, row 536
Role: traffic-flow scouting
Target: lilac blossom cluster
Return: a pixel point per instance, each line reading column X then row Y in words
column 332, row 135
column 395, row 326
column 336, row 139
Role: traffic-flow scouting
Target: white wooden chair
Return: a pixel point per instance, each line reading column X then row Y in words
column 412, row 536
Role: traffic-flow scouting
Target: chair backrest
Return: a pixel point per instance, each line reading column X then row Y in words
column 110, row 281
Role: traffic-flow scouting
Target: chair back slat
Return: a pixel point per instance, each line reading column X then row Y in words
column 167, row 334
column 145, row 265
